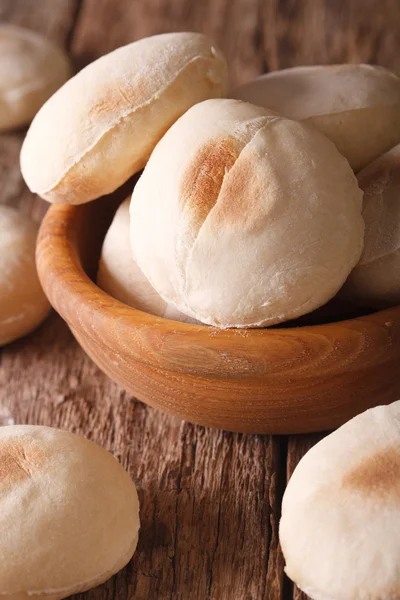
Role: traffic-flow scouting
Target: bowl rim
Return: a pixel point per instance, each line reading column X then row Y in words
column 57, row 233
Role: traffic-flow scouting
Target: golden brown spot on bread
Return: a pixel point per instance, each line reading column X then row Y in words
column 378, row 474
column 202, row 181
column 245, row 198
column 241, row 198
column 18, row 460
column 116, row 99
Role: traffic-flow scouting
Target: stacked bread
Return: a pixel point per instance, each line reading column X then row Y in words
column 248, row 212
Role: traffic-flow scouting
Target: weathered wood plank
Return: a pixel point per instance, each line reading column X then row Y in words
column 323, row 32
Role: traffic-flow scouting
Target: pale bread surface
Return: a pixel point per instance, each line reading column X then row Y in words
column 69, row 515
column 120, row 276
column 357, row 106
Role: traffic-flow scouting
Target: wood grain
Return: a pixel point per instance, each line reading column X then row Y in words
column 210, row 500
column 234, row 25
column 322, row 32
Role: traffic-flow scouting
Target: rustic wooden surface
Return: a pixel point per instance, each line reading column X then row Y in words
column 210, row 500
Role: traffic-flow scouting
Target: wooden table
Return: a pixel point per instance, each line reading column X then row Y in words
column 210, row 500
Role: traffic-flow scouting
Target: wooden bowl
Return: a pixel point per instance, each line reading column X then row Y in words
column 282, row 380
